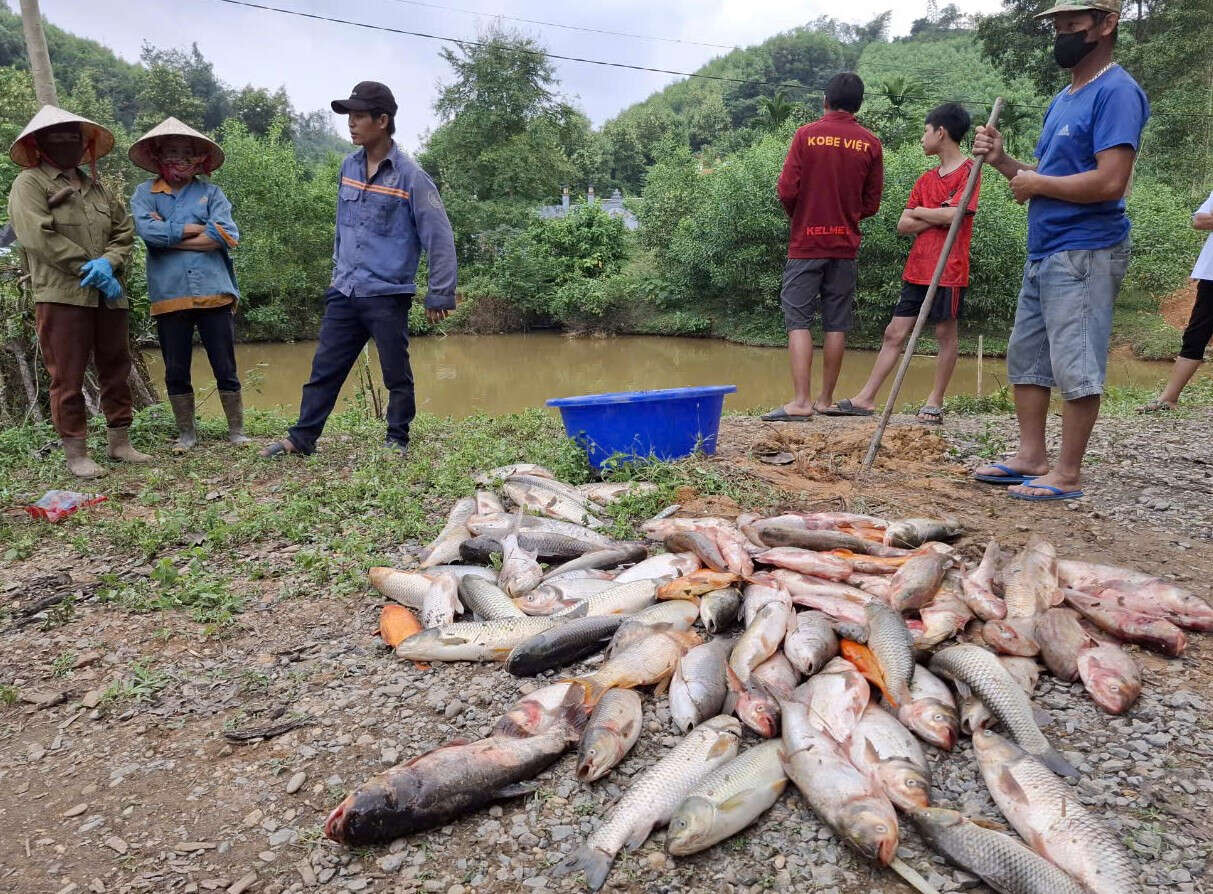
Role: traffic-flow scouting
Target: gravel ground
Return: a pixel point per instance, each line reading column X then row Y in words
column 134, row 787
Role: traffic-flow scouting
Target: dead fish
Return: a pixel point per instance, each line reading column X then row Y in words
column 621, row 599
column 557, row 595
column 487, row 600
column 406, row 587
column 653, row 796
column 893, row 646
column 718, row 609
column 728, row 800
column 917, row 581
column 735, row 549
column 804, row 585
column 610, row 557
column 441, row 602
column 1031, row 580
column 441, row 785
column 1110, row 675
column 1012, row 636
column 612, row 730
column 1140, row 592
column 836, row 697
column 645, row 662
column 501, row 473
column 460, row 571
column 757, row 703
column 978, row 587
column 1061, row 638
column 520, row 571
column 875, row 584
column 811, row 643
column 497, row 525
column 974, row 715
column 562, row 645
column 696, row 584
column 665, row 565
column 757, row 595
column 471, row 640
column 845, row 799
column 704, row 547
column 560, row 705
column 605, row 493
column 675, row 615
column 1047, row 815
column 945, row 615
column 698, row 687
column 760, row 640
column 806, row 562
column 910, row 533
column 892, row 758
column 445, row 547
column 931, row 714
column 487, row 502
column 994, row 685
column 1109, row 615
column 997, row 858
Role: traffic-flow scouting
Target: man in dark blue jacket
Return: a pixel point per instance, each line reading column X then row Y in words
column 388, row 211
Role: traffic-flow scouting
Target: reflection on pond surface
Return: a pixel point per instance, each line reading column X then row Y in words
column 459, row 375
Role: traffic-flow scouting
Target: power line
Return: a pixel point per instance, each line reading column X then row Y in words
column 490, row 15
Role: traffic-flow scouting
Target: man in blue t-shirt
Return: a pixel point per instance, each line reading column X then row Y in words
column 1078, row 247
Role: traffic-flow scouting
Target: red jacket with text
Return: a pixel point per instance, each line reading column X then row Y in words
column 831, row 180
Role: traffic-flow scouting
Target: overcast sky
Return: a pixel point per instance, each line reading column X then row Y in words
column 318, row 61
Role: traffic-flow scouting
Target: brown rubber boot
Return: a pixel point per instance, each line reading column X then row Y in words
column 233, row 409
column 78, row 462
column 183, row 412
column 120, row 446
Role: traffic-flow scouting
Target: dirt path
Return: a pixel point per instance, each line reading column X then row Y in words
column 115, row 774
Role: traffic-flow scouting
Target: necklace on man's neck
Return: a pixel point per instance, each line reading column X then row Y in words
column 1094, row 77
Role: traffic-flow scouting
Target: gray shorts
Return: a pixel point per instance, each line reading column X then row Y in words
column 825, row 285
column 1063, row 323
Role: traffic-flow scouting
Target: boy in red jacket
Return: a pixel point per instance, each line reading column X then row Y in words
column 831, row 180
column 927, row 217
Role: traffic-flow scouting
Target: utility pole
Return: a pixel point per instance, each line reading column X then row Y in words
column 39, row 56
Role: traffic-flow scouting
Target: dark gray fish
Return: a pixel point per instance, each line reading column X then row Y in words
column 562, row 645
column 610, row 557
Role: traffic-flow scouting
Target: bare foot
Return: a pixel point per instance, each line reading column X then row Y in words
column 1015, row 464
column 278, row 447
column 795, row 409
column 1038, row 487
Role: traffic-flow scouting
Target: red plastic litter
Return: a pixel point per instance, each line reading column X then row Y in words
column 56, row 505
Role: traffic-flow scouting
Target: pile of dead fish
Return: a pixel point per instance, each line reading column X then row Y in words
column 889, row 609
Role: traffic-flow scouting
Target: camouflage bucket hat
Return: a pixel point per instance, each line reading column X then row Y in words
column 1113, row 6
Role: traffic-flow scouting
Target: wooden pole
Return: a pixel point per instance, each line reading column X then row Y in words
column 39, row 56
column 980, row 356
column 929, row 301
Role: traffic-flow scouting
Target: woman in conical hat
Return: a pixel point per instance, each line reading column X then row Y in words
column 77, row 238
column 188, row 227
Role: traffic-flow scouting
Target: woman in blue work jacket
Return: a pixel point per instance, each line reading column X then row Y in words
column 188, row 227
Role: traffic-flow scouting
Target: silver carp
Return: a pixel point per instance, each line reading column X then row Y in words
column 675, row 615
column 621, row 599
column 718, row 609
column 551, row 498
column 760, row 640
column 697, row 689
column 441, row 602
column 1031, row 580
column 444, row 549
column 978, row 590
column 892, row 757
column 931, row 714
column 836, row 698
column 501, row 473
column 666, row 566
column 811, row 643
column 1140, row 592
column 612, row 730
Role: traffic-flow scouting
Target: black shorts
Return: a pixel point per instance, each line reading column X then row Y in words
column 818, row 285
column 948, row 304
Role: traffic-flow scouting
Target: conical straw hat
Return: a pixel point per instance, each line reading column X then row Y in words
column 97, row 140
column 142, row 151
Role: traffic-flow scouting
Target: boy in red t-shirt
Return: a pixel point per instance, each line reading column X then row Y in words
column 928, row 215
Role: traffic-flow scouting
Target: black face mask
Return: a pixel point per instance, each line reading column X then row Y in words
column 1070, row 49
column 64, row 156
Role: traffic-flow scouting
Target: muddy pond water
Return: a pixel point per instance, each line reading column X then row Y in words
column 459, row 375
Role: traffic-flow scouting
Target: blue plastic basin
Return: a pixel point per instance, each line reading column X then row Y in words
column 669, row 423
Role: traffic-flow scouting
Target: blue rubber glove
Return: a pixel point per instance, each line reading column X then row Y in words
column 95, row 273
column 111, row 289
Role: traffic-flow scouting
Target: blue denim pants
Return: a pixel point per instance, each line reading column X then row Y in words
column 1063, row 323
column 347, row 325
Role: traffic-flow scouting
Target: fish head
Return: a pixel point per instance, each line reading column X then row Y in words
column 758, row 710
column 932, row 721
column 598, row 753
column 1113, row 685
column 933, row 820
column 690, row 826
column 871, row 826
column 371, row 813
column 906, row 785
column 541, row 601
column 992, row 748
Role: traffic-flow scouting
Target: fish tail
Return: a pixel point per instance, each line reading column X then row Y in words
column 1052, row 759
column 592, row 691
column 595, row 863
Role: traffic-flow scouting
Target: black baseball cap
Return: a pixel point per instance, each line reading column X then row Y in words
column 367, row 96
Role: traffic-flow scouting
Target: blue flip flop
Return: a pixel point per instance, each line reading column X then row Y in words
column 1055, row 493
column 1013, row 476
